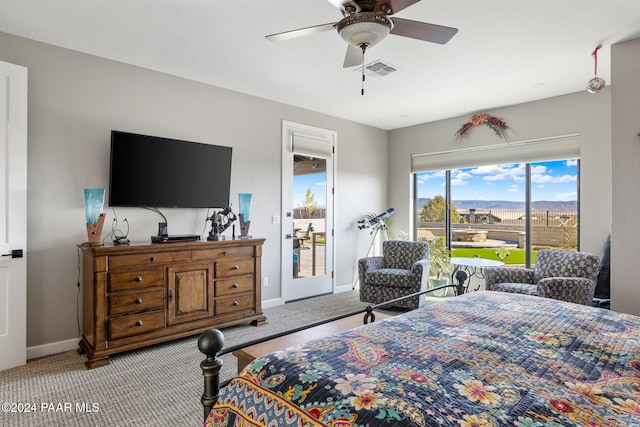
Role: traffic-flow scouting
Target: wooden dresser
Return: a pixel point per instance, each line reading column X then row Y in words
column 142, row 294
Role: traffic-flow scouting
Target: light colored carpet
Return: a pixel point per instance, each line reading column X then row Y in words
column 159, row 385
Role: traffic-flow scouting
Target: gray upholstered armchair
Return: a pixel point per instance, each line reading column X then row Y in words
column 563, row 275
column 402, row 269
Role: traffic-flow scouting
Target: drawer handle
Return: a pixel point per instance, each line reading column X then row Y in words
column 139, row 323
column 138, row 300
column 236, row 303
column 138, row 279
column 235, row 267
column 235, row 286
column 152, row 259
column 224, row 253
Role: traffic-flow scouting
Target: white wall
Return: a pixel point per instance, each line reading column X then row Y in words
column 75, row 100
column 625, row 234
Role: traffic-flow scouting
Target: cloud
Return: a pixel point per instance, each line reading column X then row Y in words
column 459, row 177
column 500, row 172
column 426, row 176
column 539, row 174
column 511, row 178
column 549, row 179
column 463, row 175
column 539, row 169
column 570, row 196
column 456, row 181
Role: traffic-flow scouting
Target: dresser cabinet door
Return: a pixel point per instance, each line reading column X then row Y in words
column 190, row 292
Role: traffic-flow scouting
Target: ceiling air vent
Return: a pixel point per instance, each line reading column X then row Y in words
column 377, row 69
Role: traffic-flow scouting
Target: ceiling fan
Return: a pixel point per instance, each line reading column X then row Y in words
column 367, row 22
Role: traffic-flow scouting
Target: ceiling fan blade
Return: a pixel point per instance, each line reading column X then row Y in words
column 423, row 31
column 287, row 35
column 353, row 57
column 395, row 5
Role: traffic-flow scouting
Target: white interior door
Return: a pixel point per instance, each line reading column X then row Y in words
column 307, row 211
column 13, row 215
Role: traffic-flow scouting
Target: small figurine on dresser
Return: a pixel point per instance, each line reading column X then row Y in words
column 220, row 221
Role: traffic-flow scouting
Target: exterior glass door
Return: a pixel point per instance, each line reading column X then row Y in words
column 307, row 195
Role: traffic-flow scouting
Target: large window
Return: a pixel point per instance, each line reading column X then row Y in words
column 488, row 210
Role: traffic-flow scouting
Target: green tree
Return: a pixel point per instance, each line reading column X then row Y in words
column 309, row 202
column 434, row 211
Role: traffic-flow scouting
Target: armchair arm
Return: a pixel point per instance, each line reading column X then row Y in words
column 493, row 275
column 368, row 264
column 420, row 266
column 578, row 290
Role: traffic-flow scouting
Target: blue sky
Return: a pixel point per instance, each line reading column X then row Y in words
column 317, row 183
column 554, row 181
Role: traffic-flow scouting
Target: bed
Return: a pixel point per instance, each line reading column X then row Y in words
column 479, row 359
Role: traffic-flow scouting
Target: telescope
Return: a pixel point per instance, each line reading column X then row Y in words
column 375, row 221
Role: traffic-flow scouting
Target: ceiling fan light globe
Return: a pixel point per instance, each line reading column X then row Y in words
column 368, row 28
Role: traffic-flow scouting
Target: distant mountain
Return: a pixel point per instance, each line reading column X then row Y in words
column 542, row 205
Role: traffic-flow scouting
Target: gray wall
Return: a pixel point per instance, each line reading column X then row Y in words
column 76, row 99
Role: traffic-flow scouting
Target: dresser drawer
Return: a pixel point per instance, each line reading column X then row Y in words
column 150, row 259
column 233, row 286
column 232, row 304
column 135, row 324
column 136, row 302
column 125, row 280
column 236, row 267
column 221, row 253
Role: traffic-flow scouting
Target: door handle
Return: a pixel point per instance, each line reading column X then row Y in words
column 16, row 253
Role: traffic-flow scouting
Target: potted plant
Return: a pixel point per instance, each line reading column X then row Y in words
column 440, row 265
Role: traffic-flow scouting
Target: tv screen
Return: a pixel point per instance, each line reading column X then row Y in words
column 149, row 171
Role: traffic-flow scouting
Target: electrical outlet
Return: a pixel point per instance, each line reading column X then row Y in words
column 265, row 282
column 275, row 219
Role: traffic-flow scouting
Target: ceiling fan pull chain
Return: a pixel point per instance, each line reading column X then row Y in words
column 364, row 47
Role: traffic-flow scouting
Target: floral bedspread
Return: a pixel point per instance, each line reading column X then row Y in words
column 481, row 359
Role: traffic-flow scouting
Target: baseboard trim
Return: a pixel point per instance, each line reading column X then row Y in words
column 343, row 288
column 278, row 301
column 272, row 303
column 51, row 348
column 72, row 344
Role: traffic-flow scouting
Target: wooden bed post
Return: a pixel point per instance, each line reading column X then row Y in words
column 210, row 343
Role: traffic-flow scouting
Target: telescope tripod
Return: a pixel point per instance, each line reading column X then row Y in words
column 379, row 226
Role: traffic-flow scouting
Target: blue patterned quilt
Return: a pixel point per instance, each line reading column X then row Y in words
column 480, row 359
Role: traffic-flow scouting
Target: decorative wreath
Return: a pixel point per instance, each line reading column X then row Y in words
column 495, row 123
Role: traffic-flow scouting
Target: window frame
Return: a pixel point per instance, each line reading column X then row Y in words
column 528, row 195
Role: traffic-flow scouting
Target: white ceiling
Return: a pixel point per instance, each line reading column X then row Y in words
column 505, row 52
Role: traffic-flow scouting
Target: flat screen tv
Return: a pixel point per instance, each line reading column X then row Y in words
column 149, row 171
